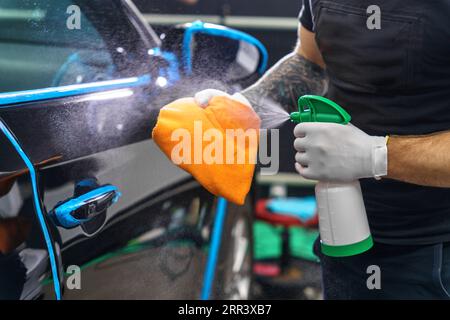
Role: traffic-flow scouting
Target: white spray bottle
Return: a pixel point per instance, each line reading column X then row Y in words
column 344, row 229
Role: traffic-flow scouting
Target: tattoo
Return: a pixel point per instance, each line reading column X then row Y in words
column 292, row 77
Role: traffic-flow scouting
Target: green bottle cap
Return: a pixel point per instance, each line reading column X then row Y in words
column 347, row 250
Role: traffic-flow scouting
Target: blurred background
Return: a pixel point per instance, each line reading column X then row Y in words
column 273, row 22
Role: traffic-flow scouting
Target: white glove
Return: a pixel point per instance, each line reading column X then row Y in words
column 338, row 153
column 203, row 97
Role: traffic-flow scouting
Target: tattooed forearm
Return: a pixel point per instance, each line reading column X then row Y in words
column 292, row 77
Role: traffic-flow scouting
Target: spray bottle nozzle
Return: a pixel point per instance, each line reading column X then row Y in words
column 319, row 109
column 295, row 117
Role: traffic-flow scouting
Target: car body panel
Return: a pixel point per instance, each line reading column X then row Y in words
column 101, row 130
column 87, row 123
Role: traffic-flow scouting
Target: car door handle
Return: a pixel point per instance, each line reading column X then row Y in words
column 77, row 210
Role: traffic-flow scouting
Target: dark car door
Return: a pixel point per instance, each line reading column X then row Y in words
column 78, row 100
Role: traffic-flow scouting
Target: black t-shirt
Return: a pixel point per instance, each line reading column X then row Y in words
column 394, row 80
column 305, row 16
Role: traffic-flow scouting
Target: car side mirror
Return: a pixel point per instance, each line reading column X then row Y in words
column 213, row 51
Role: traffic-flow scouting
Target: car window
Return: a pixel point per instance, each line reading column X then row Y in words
column 49, row 43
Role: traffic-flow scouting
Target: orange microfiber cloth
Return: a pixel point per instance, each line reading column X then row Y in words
column 217, row 144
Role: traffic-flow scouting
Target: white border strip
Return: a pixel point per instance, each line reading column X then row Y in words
column 13, row 14
column 245, row 22
column 287, row 179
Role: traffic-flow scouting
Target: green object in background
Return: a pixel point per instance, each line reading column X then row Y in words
column 267, row 241
column 319, row 109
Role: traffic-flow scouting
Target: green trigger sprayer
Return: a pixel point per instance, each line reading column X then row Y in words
column 344, row 229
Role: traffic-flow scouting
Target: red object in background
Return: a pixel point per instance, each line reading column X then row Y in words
column 262, row 213
column 266, row 269
column 271, row 270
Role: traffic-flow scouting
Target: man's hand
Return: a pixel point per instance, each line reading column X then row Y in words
column 338, row 153
column 203, row 97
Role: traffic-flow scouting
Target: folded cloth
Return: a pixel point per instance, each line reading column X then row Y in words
column 217, row 144
column 301, row 208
